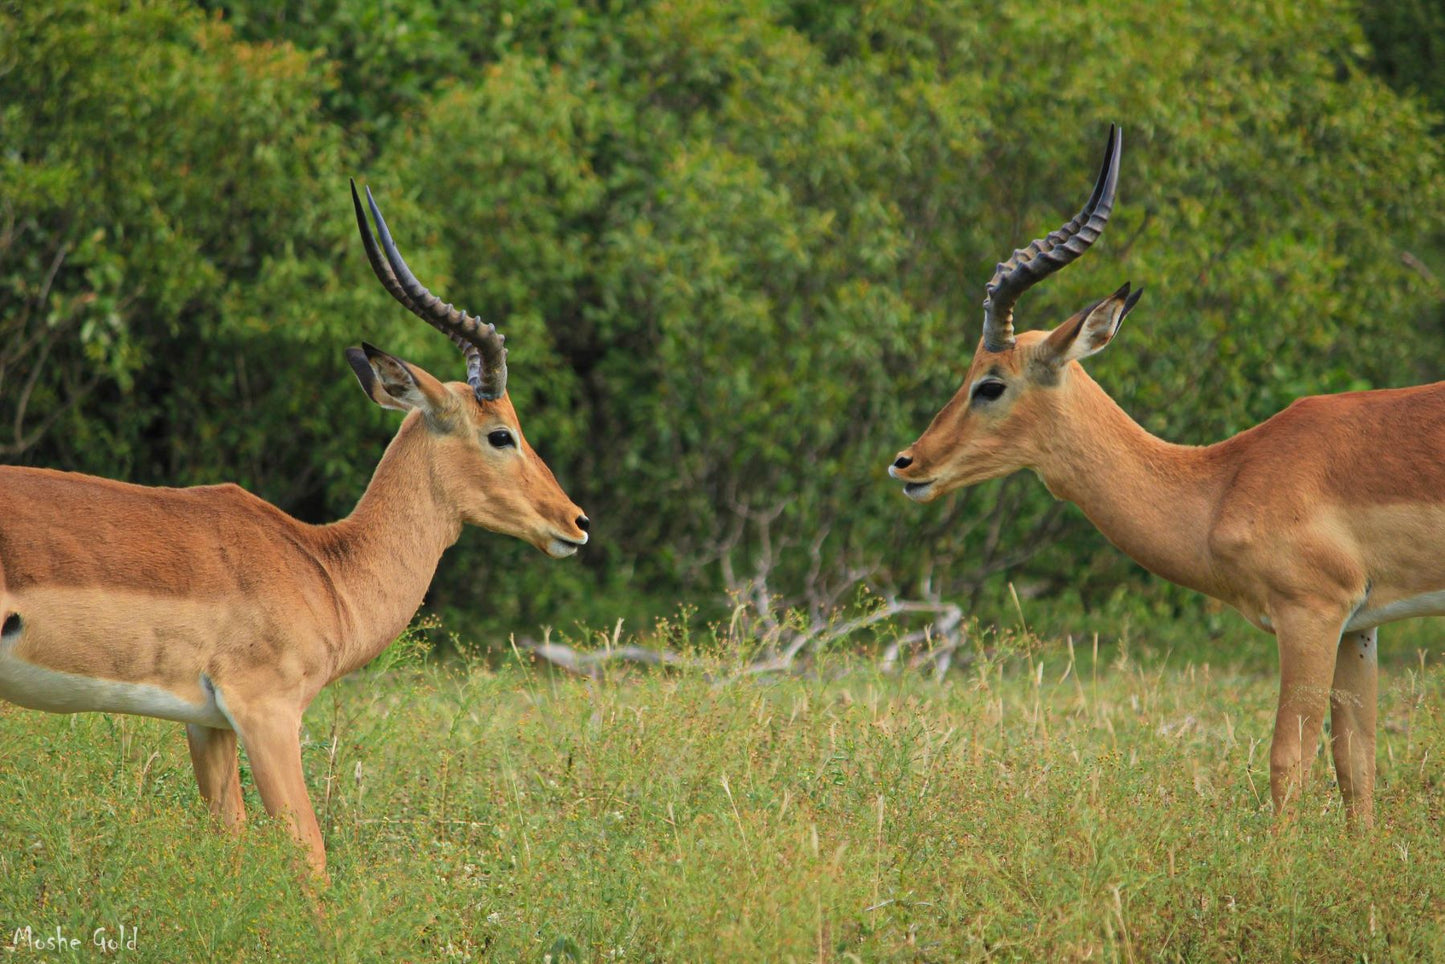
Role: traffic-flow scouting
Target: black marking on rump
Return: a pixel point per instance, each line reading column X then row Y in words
column 12, row 627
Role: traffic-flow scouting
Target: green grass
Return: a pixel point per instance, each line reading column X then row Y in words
column 1018, row 810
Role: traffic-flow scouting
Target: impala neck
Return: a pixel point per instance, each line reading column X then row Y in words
column 1152, row 499
column 382, row 557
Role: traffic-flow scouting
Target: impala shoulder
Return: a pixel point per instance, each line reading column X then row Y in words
column 226, row 492
column 1415, row 402
column 1310, row 413
column 1251, row 504
column 232, row 499
column 1234, row 531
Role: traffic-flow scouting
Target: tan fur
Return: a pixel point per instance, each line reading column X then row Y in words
column 1325, row 518
column 132, row 596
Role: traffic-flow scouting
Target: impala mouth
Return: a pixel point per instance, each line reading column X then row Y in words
column 918, row 491
column 559, row 548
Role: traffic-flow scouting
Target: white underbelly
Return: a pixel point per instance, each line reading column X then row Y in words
column 1426, row 604
column 73, row 621
column 38, row 688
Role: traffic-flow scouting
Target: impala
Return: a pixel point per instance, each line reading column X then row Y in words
column 215, row 609
column 1319, row 524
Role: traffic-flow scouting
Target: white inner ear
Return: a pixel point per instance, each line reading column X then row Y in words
column 398, row 387
column 387, row 401
column 1097, row 330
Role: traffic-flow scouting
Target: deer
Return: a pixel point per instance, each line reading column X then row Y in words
column 213, row 608
column 1319, row 525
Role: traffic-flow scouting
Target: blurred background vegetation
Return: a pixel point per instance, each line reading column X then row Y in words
column 738, row 249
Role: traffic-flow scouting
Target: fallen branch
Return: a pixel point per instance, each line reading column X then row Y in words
column 934, row 644
column 590, row 664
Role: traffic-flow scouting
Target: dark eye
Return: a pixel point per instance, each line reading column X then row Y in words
column 501, row 438
column 988, row 391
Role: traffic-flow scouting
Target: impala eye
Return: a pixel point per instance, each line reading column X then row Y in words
column 501, row 438
column 988, row 391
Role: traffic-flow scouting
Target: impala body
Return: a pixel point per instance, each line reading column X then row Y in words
column 213, row 608
column 1319, row 524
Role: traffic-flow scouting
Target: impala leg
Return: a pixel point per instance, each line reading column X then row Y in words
column 1352, row 724
column 213, row 755
column 1307, row 646
column 273, row 745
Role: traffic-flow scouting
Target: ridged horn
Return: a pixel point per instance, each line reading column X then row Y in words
column 1042, row 257
column 480, row 343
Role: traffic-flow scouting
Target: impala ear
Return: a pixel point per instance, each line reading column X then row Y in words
column 1088, row 331
column 392, row 383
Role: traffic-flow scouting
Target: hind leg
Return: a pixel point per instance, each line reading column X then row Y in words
column 1352, row 724
column 213, row 755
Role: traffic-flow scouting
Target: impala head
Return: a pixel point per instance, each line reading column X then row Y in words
column 1000, row 418
column 481, row 460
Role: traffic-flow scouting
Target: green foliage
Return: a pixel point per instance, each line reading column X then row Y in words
column 737, row 248
column 1062, row 809
column 1407, row 40
column 409, row 649
column 154, row 248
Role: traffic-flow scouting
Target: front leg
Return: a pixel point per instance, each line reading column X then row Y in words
column 1308, row 638
column 1352, row 724
column 271, row 735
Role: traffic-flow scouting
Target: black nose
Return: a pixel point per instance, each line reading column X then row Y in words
column 584, row 523
column 903, row 461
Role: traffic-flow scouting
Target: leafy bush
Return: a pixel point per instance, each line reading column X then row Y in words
column 738, row 250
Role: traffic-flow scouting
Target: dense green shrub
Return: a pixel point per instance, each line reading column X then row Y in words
column 738, row 250
column 172, row 213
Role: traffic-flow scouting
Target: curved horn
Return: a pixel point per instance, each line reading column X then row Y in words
column 1030, row 265
column 480, row 343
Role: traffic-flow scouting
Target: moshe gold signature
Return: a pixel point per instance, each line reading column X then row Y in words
column 124, row 938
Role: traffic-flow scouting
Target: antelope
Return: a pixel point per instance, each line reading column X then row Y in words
column 1319, row 524
column 213, row 608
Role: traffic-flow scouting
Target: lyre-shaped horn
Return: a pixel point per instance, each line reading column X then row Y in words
column 480, row 343
column 1042, row 257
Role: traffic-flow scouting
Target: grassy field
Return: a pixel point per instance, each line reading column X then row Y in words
column 1043, row 806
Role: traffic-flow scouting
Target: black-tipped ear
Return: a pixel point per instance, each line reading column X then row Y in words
column 1088, row 331
column 1130, row 302
column 356, row 358
column 392, row 383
